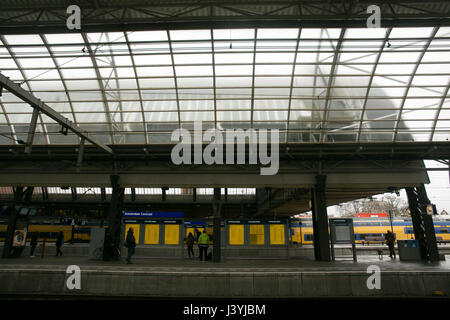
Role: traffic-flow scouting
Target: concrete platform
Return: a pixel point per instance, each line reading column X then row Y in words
column 232, row 278
column 169, row 252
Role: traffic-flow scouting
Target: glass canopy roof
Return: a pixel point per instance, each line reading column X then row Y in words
column 314, row 85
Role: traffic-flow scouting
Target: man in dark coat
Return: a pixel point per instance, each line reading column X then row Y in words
column 59, row 243
column 390, row 241
column 130, row 243
column 33, row 244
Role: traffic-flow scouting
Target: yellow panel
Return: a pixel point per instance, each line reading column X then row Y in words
column 236, row 234
column 277, row 234
column 151, row 234
column 135, row 231
column 296, row 236
column 171, row 234
column 190, row 230
column 256, row 234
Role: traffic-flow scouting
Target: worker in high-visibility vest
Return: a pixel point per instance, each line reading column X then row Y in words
column 203, row 244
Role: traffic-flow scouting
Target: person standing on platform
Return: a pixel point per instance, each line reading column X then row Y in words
column 33, row 244
column 59, row 243
column 390, row 241
column 197, row 234
column 190, row 244
column 130, row 243
column 203, row 244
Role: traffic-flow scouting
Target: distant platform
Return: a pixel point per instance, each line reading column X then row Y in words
column 232, row 278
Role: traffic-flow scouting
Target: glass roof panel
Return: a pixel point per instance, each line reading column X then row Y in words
column 294, row 75
column 27, row 39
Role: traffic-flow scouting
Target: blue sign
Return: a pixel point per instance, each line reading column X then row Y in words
column 130, row 214
column 195, row 223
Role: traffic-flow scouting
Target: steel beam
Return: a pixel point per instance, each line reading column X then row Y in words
column 39, row 105
column 31, row 131
column 51, row 17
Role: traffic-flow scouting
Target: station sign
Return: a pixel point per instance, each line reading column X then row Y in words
column 152, row 214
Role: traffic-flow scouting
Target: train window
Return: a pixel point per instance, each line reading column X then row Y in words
column 444, row 230
column 308, row 237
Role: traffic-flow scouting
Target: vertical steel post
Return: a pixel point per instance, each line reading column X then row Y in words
column 11, row 222
column 390, row 220
column 111, row 249
column 320, row 220
column 20, row 196
column 217, row 208
column 80, row 153
column 423, row 226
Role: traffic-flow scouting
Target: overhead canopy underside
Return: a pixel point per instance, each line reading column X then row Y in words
column 25, row 16
column 138, row 70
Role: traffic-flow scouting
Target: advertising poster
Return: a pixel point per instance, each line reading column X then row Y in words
column 20, row 236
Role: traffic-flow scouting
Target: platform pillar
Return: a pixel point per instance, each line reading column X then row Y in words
column 422, row 223
column 320, row 220
column 20, row 196
column 111, row 249
column 217, row 208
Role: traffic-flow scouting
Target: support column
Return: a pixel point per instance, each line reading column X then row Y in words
column 422, row 223
column 217, row 208
column 111, row 248
column 163, row 193
column 320, row 220
column 20, row 196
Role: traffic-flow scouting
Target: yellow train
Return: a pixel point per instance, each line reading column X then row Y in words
column 363, row 229
column 373, row 228
column 49, row 232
